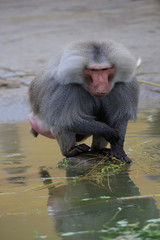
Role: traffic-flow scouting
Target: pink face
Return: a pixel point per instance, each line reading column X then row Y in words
column 98, row 80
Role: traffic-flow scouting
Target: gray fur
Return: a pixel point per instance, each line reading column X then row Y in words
column 58, row 96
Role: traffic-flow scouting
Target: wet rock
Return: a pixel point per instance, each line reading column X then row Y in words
column 87, row 159
column 83, row 160
column 90, row 164
column 82, row 164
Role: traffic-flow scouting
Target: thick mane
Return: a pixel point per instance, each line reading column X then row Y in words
column 123, row 60
column 70, row 68
column 79, row 55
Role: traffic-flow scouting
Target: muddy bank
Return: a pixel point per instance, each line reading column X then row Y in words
column 33, row 32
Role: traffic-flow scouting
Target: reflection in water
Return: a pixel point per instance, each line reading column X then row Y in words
column 16, row 180
column 155, row 123
column 10, row 144
column 23, row 198
column 9, row 139
column 17, row 170
column 72, row 214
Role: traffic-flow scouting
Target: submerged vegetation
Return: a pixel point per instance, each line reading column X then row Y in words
column 125, row 231
column 95, row 165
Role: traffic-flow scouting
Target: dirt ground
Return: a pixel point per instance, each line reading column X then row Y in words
column 33, row 31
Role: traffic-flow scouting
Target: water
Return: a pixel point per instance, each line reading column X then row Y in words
column 40, row 201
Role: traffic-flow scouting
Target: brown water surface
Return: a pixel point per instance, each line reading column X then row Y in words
column 39, row 200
